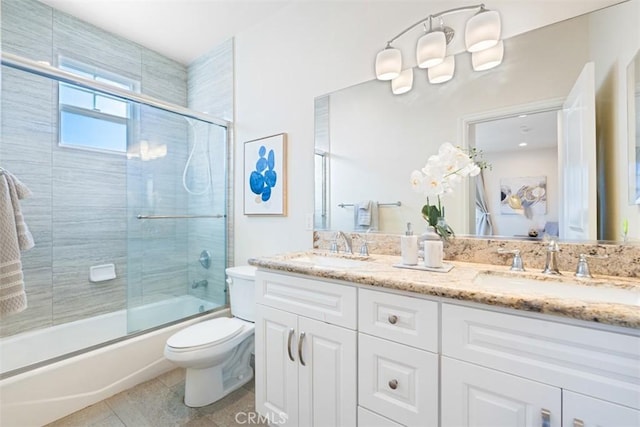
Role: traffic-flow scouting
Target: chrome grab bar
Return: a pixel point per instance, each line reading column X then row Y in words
column 178, row 216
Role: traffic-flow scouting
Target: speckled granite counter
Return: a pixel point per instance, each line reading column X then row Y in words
column 462, row 283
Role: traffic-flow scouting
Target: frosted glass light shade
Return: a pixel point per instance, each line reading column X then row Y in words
column 443, row 72
column 431, row 49
column 488, row 58
column 482, row 31
column 403, row 83
column 388, row 64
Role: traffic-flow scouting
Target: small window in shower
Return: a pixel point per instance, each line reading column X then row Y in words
column 90, row 119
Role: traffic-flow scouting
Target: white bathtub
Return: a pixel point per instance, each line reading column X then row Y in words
column 42, row 395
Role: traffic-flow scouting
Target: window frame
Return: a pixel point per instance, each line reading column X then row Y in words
column 107, row 77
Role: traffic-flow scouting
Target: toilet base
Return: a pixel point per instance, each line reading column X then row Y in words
column 206, row 386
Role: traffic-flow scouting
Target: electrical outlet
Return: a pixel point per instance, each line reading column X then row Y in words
column 309, row 221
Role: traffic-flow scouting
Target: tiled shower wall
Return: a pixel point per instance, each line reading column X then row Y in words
column 210, row 90
column 83, row 204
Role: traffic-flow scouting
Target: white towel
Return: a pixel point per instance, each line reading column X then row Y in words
column 14, row 237
column 363, row 212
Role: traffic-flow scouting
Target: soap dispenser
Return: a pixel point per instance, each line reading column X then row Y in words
column 409, row 247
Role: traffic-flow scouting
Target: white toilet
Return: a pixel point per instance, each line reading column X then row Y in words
column 217, row 352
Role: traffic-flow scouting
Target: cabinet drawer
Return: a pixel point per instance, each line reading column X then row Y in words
column 397, row 381
column 406, row 320
column 316, row 299
column 598, row 363
column 367, row 418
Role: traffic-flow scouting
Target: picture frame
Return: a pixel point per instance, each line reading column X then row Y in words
column 265, row 176
column 530, row 195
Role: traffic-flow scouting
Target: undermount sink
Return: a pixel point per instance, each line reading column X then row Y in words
column 331, row 261
column 549, row 287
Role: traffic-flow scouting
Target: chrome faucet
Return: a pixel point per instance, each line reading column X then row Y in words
column 551, row 263
column 347, row 242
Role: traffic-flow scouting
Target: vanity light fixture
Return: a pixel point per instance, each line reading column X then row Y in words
column 488, row 58
column 442, row 72
column 403, row 83
column 482, row 39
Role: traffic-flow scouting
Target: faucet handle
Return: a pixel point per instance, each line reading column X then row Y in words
column 334, row 247
column 364, row 248
column 582, row 270
column 516, row 264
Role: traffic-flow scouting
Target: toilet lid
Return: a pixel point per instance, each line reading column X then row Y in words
column 207, row 332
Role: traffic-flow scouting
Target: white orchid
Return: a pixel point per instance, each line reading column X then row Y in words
column 439, row 176
column 444, row 171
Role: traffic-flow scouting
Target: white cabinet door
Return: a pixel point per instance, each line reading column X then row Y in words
column 276, row 372
column 584, row 411
column 474, row 396
column 327, row 371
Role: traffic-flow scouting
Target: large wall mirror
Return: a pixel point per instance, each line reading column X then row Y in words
column 368, row 141
column 633, row 88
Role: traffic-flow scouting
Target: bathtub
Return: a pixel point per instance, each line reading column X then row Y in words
column 49, row 392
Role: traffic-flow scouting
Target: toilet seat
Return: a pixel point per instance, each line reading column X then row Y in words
column 205, row 334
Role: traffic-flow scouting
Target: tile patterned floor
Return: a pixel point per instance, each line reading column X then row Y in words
column 159, row 403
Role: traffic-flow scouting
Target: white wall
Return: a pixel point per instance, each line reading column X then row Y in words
column 310, row 49
column 611, row 111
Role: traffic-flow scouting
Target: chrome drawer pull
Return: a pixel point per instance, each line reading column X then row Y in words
column 393, row 319
column 302, row 334
column 291, row 332
column 393, row 384
column 546, row 417
column 578, row 423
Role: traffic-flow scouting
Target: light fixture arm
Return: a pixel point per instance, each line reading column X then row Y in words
column 437, row 15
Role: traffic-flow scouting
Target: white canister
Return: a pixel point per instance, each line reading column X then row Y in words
column 433, row 252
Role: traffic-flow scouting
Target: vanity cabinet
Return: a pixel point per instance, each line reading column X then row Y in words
column 305, row 351
column 338, row 354
column 508, row 370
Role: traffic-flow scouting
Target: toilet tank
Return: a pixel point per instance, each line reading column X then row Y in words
column 241, row 291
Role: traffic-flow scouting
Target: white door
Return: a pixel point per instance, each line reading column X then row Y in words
column 327, row 370
column 474, row 396
column 583, row 411
column 577, row 160
column 276, row 366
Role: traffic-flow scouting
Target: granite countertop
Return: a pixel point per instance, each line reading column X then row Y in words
column 578, row 298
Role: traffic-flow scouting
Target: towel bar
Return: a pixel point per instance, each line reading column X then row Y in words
column 178, row 216
column 343, row 205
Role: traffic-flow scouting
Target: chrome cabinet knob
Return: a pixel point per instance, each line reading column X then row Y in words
column 393, row 319
column 393, row 384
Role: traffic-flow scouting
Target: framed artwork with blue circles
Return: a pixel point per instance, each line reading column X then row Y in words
column 265, row 176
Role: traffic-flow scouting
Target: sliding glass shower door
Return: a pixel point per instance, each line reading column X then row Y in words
column 176, row 187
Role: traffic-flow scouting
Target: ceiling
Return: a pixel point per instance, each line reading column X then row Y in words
column 179, row 29
column 183, row 30
column 537, row 130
